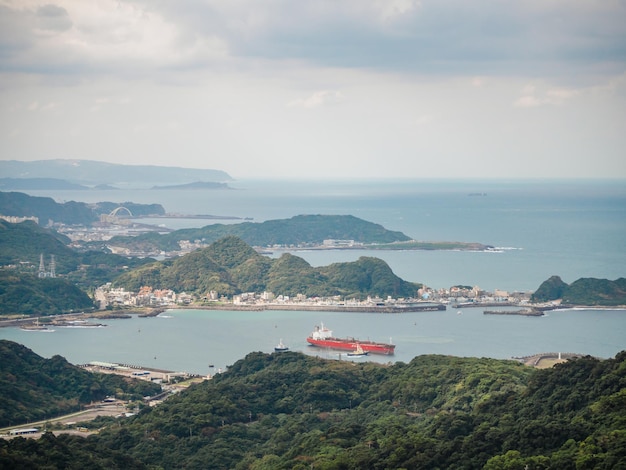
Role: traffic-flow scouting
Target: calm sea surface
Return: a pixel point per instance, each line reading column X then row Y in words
column 191, row 340
column 573, row 229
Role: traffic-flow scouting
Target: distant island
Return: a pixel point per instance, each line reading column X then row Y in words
column 196, row 185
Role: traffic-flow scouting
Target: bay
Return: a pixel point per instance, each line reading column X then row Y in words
column 192, row 340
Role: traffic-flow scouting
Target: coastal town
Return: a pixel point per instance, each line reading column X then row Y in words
column 109, row 297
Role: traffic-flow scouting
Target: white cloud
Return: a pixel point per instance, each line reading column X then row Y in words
column 317, row 99
column 554, row 96
column 106, row 35
column 391, row 9
column 424, row 119
column 247, row 86
column 558, row 95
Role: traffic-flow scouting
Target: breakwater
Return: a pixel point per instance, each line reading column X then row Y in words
column 325, row 308
column 524, row 312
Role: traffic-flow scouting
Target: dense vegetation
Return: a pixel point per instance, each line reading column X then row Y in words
column 26, row 294
column 290, row 411
column 230, row 266
column 21, row 246
column 302, row 229
column 34, row 388
column 69, row 213
column 584, row 291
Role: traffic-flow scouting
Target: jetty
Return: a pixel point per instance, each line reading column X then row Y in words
column 524, row 312
column 259, row 307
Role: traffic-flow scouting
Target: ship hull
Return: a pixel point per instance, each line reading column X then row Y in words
column 344, row 344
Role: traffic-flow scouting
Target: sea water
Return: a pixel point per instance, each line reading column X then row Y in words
column 569, row 228
column 206, row 341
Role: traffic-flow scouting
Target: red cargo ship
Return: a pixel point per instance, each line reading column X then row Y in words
column 323, row 337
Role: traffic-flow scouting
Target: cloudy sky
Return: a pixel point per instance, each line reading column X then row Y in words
column 325, row 88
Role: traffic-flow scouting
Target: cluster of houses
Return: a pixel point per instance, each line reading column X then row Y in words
column 109, row 296
column 461, row 294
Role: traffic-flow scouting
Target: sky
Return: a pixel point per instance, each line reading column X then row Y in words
column 319, row 89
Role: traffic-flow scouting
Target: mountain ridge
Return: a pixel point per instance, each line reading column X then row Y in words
column 91, row 173
column 230, row 266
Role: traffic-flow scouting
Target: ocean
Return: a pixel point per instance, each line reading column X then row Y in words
column 573, row 229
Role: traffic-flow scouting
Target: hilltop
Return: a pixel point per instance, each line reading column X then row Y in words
column 230, row 266
column 291, row 411
column 584, row 291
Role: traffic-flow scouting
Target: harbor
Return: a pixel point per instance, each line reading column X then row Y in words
column 200, row 342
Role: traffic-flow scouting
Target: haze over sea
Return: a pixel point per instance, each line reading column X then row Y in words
column 545, row 227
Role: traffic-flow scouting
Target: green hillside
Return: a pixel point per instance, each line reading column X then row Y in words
column 291, row 411
column 584, row 291
column 298, row 230
column 26, row 241
column 33, row 388
column 230, row 266
column 25, row 294
column 21, row 246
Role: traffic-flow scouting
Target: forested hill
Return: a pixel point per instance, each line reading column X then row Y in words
column 230, row 266
column 584, row 291
column 296, row 231
column 291, row 411
column 27, row 294
column 32, row 387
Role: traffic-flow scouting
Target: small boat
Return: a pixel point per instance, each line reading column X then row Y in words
column 36, row 327
column 280, row 347
column 358, row 352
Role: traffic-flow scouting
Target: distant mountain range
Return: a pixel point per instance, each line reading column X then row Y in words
column 76, row 174
column 12, row 184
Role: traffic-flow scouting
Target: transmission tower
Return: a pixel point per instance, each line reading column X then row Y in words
column 53, row 266
column 42, row 268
